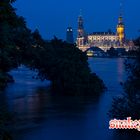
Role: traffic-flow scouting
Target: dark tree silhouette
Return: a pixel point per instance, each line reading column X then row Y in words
column 64, row 64
column 112, row 52
column 129, row 103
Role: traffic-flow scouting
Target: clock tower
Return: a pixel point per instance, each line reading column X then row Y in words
column 121, row 28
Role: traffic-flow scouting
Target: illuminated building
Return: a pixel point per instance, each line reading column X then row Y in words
column 81, row 37
column 120, row 29
column 69, row 35
column 103, row 40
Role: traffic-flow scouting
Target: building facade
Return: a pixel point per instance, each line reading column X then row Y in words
column 103, row 40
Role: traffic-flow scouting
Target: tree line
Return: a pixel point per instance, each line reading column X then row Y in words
column 62, row 63
column 128, row 105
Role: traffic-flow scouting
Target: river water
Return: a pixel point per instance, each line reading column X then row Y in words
column 41, row 115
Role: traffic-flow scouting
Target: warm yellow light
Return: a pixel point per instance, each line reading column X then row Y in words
column 120, row 29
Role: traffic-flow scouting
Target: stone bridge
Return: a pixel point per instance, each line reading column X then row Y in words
column 104, row 48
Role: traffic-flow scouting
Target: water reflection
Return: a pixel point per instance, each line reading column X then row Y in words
column 121, row 69
column 42, row 115
column 43, row 105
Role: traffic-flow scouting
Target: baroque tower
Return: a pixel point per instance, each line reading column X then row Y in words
column 80, row 26
column 121, row 28
column 81, row 36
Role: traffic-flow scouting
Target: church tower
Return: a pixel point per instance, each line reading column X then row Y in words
column 121, row 27
column 80, row 26
column 81, row 36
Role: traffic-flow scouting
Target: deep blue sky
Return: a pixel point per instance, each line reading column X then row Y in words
column 52, row 17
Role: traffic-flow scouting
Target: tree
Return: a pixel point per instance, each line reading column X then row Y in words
column 129, row 103
column 13, row 33
column 112, row 52
column 66, row 66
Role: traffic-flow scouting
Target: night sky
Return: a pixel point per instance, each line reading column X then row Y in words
column 52, row 17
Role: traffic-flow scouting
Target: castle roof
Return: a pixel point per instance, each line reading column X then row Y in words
column 102, row 33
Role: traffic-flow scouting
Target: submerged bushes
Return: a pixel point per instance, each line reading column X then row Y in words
column 66, row 66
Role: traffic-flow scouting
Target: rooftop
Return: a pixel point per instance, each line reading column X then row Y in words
column 102, row 33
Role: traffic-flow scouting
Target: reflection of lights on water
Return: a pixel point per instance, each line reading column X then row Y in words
column 19, row 105
column 120, row 70
column 30, row 106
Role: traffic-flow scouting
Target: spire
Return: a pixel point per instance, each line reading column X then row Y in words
column 81, row 36
column 80, row 13
column 121, row 13
column 120, row 25
column 121, row 8
column 80, row 21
